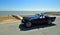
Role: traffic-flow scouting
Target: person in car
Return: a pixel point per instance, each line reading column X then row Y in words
column 42, row 16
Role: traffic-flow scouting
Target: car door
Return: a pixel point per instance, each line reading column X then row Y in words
column 41, row 20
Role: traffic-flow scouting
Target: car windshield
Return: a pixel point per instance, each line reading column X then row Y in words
column 37, row 15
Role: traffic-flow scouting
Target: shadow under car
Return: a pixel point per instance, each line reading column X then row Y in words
column 22, row 28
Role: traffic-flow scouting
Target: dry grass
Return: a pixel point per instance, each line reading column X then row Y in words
column 7, row 19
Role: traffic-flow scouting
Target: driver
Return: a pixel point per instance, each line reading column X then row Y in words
column 42, row 16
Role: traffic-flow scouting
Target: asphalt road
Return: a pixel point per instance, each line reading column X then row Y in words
column 17, row 29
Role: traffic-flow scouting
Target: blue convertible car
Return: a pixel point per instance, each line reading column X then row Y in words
column 28, row 21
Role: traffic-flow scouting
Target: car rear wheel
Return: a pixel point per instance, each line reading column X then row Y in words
column 28, row 24
column 49, row 21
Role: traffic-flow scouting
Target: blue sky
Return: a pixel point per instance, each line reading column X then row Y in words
column 29, row 5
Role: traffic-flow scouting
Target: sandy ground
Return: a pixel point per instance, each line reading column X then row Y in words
column 10, row 19
column 17, row 29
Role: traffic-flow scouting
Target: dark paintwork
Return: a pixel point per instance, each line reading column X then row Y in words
column 35, row 19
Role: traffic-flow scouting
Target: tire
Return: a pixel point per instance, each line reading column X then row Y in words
column 49, row 21
column 28, row 24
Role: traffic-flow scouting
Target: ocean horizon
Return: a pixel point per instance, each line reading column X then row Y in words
column 6, row 13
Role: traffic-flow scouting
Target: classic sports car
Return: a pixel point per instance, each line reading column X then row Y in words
column 28, row 21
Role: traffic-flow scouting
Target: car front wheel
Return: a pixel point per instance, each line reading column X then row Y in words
column 49, row 21
column 28, row 24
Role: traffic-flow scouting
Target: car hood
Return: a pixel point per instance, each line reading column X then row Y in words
column 30, row 17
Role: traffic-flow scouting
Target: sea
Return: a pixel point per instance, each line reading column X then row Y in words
column 6, row 13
